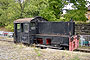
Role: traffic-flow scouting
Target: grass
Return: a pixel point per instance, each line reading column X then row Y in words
column 75, row 58
column 37, row 50
column 84, row 47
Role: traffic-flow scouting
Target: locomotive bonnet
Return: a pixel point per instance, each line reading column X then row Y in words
column 43, row 33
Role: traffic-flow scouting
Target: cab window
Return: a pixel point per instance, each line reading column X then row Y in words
column 18, row 27
column 32, row 26
column 26, row 27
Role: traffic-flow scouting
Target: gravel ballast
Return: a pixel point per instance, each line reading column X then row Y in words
column 11, row 51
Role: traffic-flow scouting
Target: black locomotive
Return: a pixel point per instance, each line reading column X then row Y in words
column 41, row 32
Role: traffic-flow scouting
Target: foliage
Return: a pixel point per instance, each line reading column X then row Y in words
column 49, row 9
column 79, row 13
column 53, row 10
column 10, row 27
column 11, row 10
column 79, row 4
column 76, row 15
column 8, row 12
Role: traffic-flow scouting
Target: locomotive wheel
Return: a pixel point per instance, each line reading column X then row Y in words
column 16, row 42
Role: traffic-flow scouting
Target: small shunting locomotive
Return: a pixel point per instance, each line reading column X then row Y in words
column 43, row 33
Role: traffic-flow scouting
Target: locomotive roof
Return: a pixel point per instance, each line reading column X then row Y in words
column 23, row 20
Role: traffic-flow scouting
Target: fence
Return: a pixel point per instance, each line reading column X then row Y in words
column 84, row 40
column 82, row 29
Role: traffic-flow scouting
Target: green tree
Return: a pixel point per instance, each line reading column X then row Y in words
column 11, row 10
column 8, row 11
column 49, row 9
column 79, row 13
column 53, row 10
column 76, row 15
column 79, row 4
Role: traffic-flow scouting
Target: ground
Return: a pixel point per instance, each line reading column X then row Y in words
column 11, row 51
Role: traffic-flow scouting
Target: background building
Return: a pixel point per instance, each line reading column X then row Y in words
column 88, row 13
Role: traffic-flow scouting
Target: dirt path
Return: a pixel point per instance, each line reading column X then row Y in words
column 11, row 51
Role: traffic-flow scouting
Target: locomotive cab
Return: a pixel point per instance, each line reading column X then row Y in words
column 21, row 32
column 25, row 29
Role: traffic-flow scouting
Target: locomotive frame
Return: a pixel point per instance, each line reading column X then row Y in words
column 41, row 32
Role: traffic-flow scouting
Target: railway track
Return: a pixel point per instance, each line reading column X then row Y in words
column 83, row 50
column 4, row 39
column 79, row 49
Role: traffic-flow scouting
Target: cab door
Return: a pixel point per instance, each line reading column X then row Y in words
column 25, row 33
column 17, row 32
